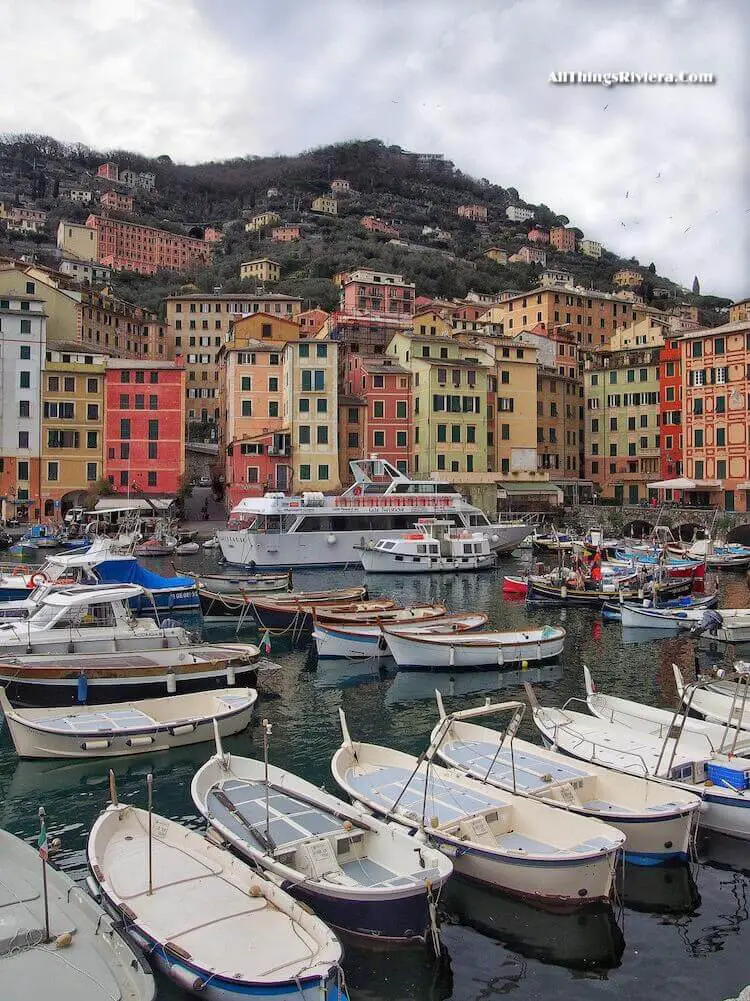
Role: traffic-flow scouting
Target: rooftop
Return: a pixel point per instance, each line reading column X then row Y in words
column 233, row 297
column 726, row 328
column 147, row 365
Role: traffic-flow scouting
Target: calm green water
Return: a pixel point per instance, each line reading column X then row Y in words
column 679, row 932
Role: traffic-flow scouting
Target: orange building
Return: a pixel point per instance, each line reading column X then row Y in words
column 311, row 322
column 126, row 246
column 715, row 393
column 285, row 234
column 562, row 239
column 114, row 200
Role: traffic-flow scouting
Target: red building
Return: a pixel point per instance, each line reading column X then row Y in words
column 385, row 388
column 537, row 236
column 110, row 171
column 258, row 464
column 126, row 246
column 144, row 425
column 375, row 225
column 114, row 200
column 670, row 409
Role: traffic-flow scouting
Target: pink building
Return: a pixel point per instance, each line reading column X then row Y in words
column 311, row 321
column 531, row 255
column 477, row 213
column 377, row 293
column 117, row 202
column 563, row 239
column 285, row 234
column 385, row 388
column 211, row 234
column 375, row 225
column 110, row 171
column 537, row 236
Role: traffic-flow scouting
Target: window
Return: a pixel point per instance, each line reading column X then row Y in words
column 273, row 408
column 153, row 377
column 247, row 408
column 643, row 375
column 53, row 384
column 505, row 465
column 697, row 349
column 719, row 347
column 25, row 325
column 442, row 432
column 378, row 408
column 92, row 439
column 153, row 430
column 631, row 375
column 304, row 405
column 721, row 375
column 613, row 424
column 69, row 384
column 25, row 354
column 455, row 433
column 321, row 351
column 124, row 451
column 304, row 435
column 353, row 415
column 401, row 409
column 124, row 478
column 644, row 441
column 304, row 352
column 24, row 408
column 24, row 380
column 273, row 384
column 670, row 394
column 721, row 439
column 53, row 469
column 153, row 450
column 23, row 470
column 698, row 437
column 595, row 426
column 378, row 439
column 613, row 449
column 401, row 439
column 699, row 469
column 698, row 406
column 91, row 471
column 306, row 380
column 721, row 404
column 92, row 412
column 721, row 469
column 322, row 435
column 352, row 440
column 124, row 429
column 505, row 377
column 441, row 461
column 304, row 472
column 153, row 402
column 471, row 434
column 245, row 384
column 323, row 472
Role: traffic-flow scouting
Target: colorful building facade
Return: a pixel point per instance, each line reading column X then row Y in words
column 127, row 246
column 385, row 388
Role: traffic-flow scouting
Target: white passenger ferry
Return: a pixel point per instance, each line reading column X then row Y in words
column 318, row 531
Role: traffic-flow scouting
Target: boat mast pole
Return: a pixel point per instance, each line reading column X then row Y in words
column 43, row 852
column 266, row 728
column 150, row 787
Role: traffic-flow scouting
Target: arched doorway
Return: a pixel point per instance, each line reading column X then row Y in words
column 740, row 534
column 690, row 532
column 637, row 529
column 197, row 232
column 49, row 509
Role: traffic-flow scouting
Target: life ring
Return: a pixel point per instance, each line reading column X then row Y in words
column 38, row 579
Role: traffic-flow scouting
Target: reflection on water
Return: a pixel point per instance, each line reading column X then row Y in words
column 588, row 940
column 681, row 926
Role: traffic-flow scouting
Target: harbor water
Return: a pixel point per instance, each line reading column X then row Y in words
column 672, row 932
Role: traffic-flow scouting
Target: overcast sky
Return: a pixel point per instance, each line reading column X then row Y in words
column 657, row 172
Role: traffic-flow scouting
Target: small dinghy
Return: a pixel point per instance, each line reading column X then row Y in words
column 260, row 583
column 365, row 639
column 657, row 822
column 83, row 958
column 611, row 610
column 720, row 735
column 188, row 549
column 212, row 543
column 356, row 872
column 439, row 650
column 209, row 922
column 297, row 615
column 727, row 625
column 127, row 728
column 526, row 848
column 679, row 759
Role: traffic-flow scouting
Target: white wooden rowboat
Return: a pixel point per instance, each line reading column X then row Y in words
column 353, row 641
column 732, row 625
column 127, row 728
column 468, row 649
column 358, row 874
column 657, row 822
column 86, row 959
column 208, row 921
column 523, row 847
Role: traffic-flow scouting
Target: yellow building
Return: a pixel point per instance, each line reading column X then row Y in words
column 449, row 401
column 311, row 413
column 497, row 254
column 431, row 322
column 325, row 204
column 72, row 452
column 75, row 240
column 262, row 220
column 262, row 270
column 627, row 277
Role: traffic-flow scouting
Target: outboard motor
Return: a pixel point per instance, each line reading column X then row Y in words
column 711, row 621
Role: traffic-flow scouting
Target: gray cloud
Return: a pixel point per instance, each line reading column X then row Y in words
column 204, row 79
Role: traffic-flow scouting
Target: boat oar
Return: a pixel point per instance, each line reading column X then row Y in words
column 222, row 798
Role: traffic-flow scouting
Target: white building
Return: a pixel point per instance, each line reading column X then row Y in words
column 518, row 214
column 552, row 277
column 88, row 272
column 590, row 248
column 23, row 334
column 81, row 195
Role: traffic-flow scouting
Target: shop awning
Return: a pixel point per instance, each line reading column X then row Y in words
column 682, row 483
column 528, row 489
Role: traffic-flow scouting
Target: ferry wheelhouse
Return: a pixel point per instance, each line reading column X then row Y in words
column 314, row 530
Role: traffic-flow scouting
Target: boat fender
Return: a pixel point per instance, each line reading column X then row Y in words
column 82, row 688
column 231, row 679
column 185, row 978
column 171, row 682
column 563, row 592
column 434, row 822
column 348, row 825
column 331, row 539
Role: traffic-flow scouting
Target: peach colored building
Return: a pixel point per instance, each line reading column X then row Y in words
column 562, row 238
column 285, row 234
column 715, row 392
column 212, row 234
column 537, row 235
column 739, row 310
column 477, row 213
column 378, row 293
column 374, row 225
column 627, row 277
column 311, row 322
column 531, row 255
column 126, row 246
column 116, row 201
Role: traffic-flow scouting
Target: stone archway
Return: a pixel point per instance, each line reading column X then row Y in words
column 197, row 232
column 740, row 534
column 637, row 529
column 689, row 531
